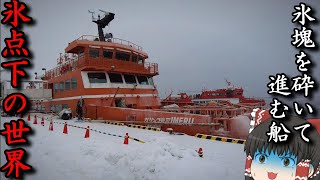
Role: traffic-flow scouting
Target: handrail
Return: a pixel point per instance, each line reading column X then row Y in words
column 75, row 63
column 69, row 64
column 113, row 40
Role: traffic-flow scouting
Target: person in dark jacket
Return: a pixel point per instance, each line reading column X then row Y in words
column 79, row 109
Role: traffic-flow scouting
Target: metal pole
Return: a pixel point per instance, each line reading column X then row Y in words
column 96, row 112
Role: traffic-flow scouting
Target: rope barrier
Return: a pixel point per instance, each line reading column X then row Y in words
column 101, row 132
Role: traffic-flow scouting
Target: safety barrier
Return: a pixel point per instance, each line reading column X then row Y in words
column 114, row 123
column 222, row 139
column 75, row 126
column 101, row 132
column 144, row 127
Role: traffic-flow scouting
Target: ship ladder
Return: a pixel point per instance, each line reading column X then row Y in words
column 115, row 94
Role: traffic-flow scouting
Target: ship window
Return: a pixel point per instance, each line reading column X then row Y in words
column 140, row 60
column 56, row 87
column 123, row 56
column 115, row 78
column 73, row 83
column 143, row 80
column 150, row 81
column 58, row 108
column 81, row 54
column 61, row 86
column 130, row 79
column 67, row 85
column 97, row 77
column 134, row 58
column 107, row 54
column 65, row 106
column 94, row 53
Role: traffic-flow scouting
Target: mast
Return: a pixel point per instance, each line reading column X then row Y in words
column 102, row 23
column 229, row 85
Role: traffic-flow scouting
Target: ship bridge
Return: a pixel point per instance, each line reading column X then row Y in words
column 103, row 53
column 87, row 53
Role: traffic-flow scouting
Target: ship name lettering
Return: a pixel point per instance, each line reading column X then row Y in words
column 173, row 120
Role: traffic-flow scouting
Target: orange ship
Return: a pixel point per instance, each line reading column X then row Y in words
column 115, row 80
column 230, row 94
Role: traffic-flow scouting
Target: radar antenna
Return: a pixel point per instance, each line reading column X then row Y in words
column 102, row 23
column 105, row 12
column 92, row 13
column 230, row 85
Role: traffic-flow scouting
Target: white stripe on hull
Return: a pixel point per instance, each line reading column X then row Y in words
column 101, row 96
column 232, row 100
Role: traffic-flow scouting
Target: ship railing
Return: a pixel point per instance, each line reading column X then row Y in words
column 72, row 63
column 152, row 68
column 67, row 64
column 112, row 40
column 121, row 66
column 254, row 98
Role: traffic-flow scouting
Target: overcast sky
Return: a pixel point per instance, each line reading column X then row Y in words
column 196, row 43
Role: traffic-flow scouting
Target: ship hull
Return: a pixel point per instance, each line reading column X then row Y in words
column 191, row 124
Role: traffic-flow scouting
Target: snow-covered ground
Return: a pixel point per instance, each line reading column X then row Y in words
column 70, row 156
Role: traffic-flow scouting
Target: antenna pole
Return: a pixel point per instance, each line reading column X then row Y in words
column 102, row 22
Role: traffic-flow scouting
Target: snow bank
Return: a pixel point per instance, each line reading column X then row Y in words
column 163, row 157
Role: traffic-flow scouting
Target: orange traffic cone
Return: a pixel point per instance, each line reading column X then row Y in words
column 200, row 152
column 42, row 121
column 87, row 133
column 65, row 129
column 29, row 117
column 35, row 119
column 126, row 139
column 51, row 126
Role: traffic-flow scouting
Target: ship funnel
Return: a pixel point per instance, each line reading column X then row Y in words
column 102, row 23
